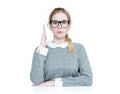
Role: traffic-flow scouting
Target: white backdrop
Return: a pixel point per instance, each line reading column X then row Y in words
column 95, row 24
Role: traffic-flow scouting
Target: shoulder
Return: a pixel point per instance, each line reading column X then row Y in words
column 78, row 45
column 79, row 48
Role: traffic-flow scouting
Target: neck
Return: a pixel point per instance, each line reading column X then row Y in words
column 58, row 41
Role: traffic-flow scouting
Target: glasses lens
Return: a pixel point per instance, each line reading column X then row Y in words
column 54, row 23
column 64, row 23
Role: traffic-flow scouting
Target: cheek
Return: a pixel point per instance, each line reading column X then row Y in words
column 53, row 29
column 67, row 30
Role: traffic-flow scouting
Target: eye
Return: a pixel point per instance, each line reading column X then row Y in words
column 54, row 22
column 64, row 22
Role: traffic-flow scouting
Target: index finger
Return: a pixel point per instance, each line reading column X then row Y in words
column 44, row 29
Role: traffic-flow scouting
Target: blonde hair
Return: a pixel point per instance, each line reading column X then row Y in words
column 57, row 10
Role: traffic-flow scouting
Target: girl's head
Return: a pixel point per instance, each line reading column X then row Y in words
column 60, row 23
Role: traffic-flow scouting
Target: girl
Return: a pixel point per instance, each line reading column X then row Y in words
column 60, row 62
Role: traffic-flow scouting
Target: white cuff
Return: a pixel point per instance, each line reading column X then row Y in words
column 58, row 82
column 42, row 50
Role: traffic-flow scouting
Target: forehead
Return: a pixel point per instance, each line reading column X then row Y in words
column 59, row 16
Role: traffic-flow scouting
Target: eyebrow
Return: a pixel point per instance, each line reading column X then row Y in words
column 59, row 20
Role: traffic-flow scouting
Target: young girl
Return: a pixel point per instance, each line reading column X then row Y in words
column 60, row 62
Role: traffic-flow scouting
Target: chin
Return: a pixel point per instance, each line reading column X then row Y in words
column 60, row 37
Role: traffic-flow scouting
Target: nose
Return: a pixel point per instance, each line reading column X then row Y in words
column 59, row 25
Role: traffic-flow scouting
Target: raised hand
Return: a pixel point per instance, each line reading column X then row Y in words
column 44, row 37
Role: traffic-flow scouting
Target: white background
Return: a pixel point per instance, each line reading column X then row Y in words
column 95, row 24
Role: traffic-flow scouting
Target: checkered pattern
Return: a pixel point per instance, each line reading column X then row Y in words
column 74, row 70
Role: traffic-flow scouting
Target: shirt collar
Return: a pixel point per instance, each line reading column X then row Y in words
column 53, row 45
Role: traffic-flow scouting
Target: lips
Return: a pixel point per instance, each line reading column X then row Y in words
column 59, row 32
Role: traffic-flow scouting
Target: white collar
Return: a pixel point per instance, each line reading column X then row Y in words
column 53, row 45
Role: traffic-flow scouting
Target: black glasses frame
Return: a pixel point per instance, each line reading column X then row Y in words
column 59, row 22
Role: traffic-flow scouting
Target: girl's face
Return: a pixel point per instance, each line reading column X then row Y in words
column 59, row 25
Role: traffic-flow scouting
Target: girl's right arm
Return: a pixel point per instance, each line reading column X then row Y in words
column 39, row 57
column 37, row 69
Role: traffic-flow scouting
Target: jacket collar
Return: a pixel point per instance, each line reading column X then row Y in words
column 53, row 45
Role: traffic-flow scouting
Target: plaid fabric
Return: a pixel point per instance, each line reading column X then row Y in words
column 75, row 70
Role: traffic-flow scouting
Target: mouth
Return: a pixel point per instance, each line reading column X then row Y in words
column 59, row 32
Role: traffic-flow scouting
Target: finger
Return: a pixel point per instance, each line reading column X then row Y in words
column 38, row 85
column 44, row 33
column 35, row 84
column 44, row 30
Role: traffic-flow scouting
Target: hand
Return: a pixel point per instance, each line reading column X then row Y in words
column 44, row 37
column 46, row 84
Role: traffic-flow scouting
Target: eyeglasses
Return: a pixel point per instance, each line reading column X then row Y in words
column 63, row 23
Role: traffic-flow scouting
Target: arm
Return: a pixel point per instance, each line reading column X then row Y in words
column 40, row 53
column 85, row 73
column 37, row 70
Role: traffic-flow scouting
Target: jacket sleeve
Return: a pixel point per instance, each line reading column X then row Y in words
column 85, row 72
column 37, row 69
